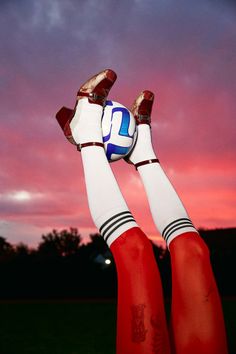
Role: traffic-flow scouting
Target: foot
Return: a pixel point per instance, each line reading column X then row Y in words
column 142, row 152
column 142, row 107
column 96, row 90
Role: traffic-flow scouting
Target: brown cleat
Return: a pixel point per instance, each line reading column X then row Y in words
column 64, row 117
column 142, row 107
column 96, row 89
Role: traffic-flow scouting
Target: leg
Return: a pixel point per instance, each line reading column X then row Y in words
column 141, row 323
column 197, row 320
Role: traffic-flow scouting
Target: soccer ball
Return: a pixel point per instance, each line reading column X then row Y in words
column 119, row 130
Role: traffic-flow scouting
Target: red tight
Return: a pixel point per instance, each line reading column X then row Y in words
column 196, row 316
column 197, row 324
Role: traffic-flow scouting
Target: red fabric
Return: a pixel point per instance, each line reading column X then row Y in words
column 196, row 317
column 197, row 324
column 141, row 323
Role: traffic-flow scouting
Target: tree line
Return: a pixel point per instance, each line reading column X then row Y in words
column 63, row 267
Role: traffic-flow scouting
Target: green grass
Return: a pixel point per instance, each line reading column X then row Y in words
column 70, row 327
column 57, row 328
column 229, row 307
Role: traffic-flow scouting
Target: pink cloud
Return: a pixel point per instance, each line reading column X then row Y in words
column 189, row 65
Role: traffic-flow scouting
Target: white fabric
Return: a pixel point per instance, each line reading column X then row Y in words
column 165, row 204
column 86, row 123
column 143, row 149
column 104, row 196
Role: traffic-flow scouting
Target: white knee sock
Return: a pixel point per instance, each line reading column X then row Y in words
column 167, row 210
column 107, row 205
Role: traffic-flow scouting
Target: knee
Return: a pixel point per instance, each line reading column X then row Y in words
column 140, row 245
column 133, row 244
column 190, row 247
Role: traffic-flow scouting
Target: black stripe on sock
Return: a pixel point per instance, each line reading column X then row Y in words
column 174, row 223
column 183, row 224
column 113, row 217
column 178, row 228
column 115, row 222
column 117, row 226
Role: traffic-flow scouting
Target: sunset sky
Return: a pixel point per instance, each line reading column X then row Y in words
column 184, row 51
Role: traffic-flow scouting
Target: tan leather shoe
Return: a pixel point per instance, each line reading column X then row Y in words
column 96, row 89
column 142, row 107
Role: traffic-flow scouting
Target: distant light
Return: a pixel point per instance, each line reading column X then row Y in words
column 107, row 261
column 21, row 196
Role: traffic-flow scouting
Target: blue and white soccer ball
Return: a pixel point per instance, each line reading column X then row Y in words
column 119, row 130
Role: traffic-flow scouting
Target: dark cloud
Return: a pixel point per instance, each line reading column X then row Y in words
column 225, row 3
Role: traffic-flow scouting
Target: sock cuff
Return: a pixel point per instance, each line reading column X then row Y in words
column 176, row 228
column 115, row 225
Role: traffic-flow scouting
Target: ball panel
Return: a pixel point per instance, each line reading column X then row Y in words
column 119, row 130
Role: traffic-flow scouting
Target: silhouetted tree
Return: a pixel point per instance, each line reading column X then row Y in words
column 64, row 267
column 222, row 245
column 22, row 250
column 60, row 243
column 98, row 245
column 6, row 250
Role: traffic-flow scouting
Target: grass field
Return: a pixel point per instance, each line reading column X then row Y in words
column 71, row 327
